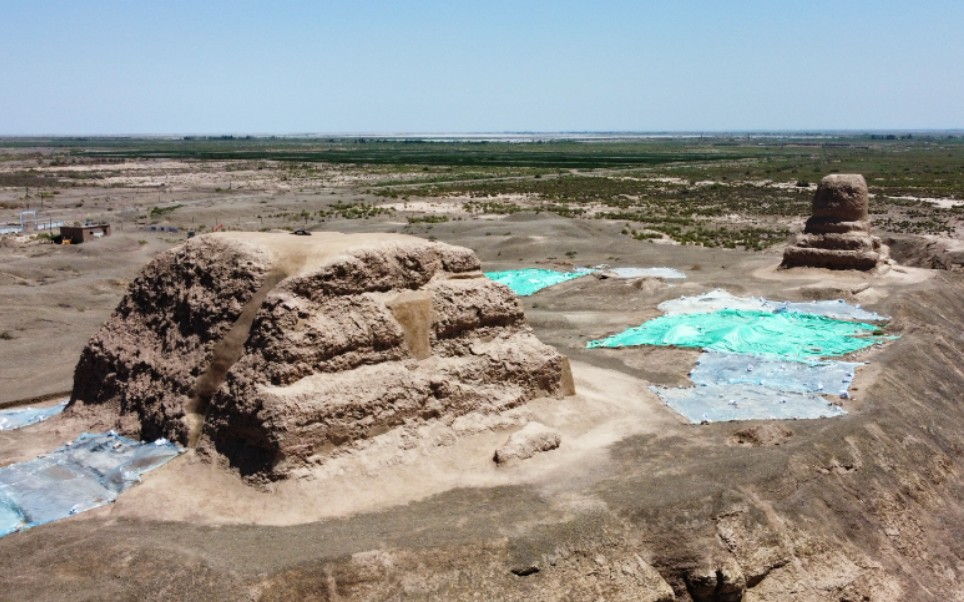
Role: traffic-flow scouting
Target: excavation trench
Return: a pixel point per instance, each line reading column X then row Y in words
column 226, row 352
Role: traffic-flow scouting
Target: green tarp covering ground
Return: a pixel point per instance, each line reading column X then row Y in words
column 788, row 335
column 527, row 281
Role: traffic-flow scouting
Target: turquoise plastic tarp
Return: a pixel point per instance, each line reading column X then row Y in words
column 528, row 281
column 89, row 472
column 788, row 335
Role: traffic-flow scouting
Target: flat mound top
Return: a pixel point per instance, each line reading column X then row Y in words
column 297, row 254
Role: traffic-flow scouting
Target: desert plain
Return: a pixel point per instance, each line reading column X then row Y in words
column 636, row 503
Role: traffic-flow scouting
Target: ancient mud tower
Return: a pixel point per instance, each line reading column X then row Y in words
column 276, row 351
column 837, row 235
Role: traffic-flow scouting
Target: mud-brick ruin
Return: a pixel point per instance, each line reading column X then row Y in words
column 837, row 234
column 276, row 351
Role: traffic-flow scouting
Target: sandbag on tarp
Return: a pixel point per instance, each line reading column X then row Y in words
column 829, row 377
column 87, row 473
column 663, row 273
column 527, row 281
column 724, row 403
column 788, row 335
column 719, row 299
column 20, row 417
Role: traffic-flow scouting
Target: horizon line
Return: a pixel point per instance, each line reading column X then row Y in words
column 496, row 133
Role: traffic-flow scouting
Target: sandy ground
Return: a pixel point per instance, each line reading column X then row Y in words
column 866, row 505
column 445, row 458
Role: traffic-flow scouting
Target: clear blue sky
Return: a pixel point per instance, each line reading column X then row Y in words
column 219, row 66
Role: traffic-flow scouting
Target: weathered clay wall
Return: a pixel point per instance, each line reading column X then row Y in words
column 146, row 359
column 328, row 362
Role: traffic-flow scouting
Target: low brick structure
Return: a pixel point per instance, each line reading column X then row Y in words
column 85, row 233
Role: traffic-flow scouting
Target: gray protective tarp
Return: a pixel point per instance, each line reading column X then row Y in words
column 20, row 417
column 732, row 386
column 722, row 403
column 89, row 472
column 829, row 377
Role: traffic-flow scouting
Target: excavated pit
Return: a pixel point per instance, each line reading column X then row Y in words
column 276, row 352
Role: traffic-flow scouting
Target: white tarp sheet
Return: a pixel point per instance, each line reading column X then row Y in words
column 719, row 299
column 627, row 273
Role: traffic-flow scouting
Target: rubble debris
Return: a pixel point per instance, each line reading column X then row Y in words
column 533, row 438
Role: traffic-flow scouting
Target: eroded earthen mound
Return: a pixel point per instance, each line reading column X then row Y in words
column 276, row 350
column 837, row 235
